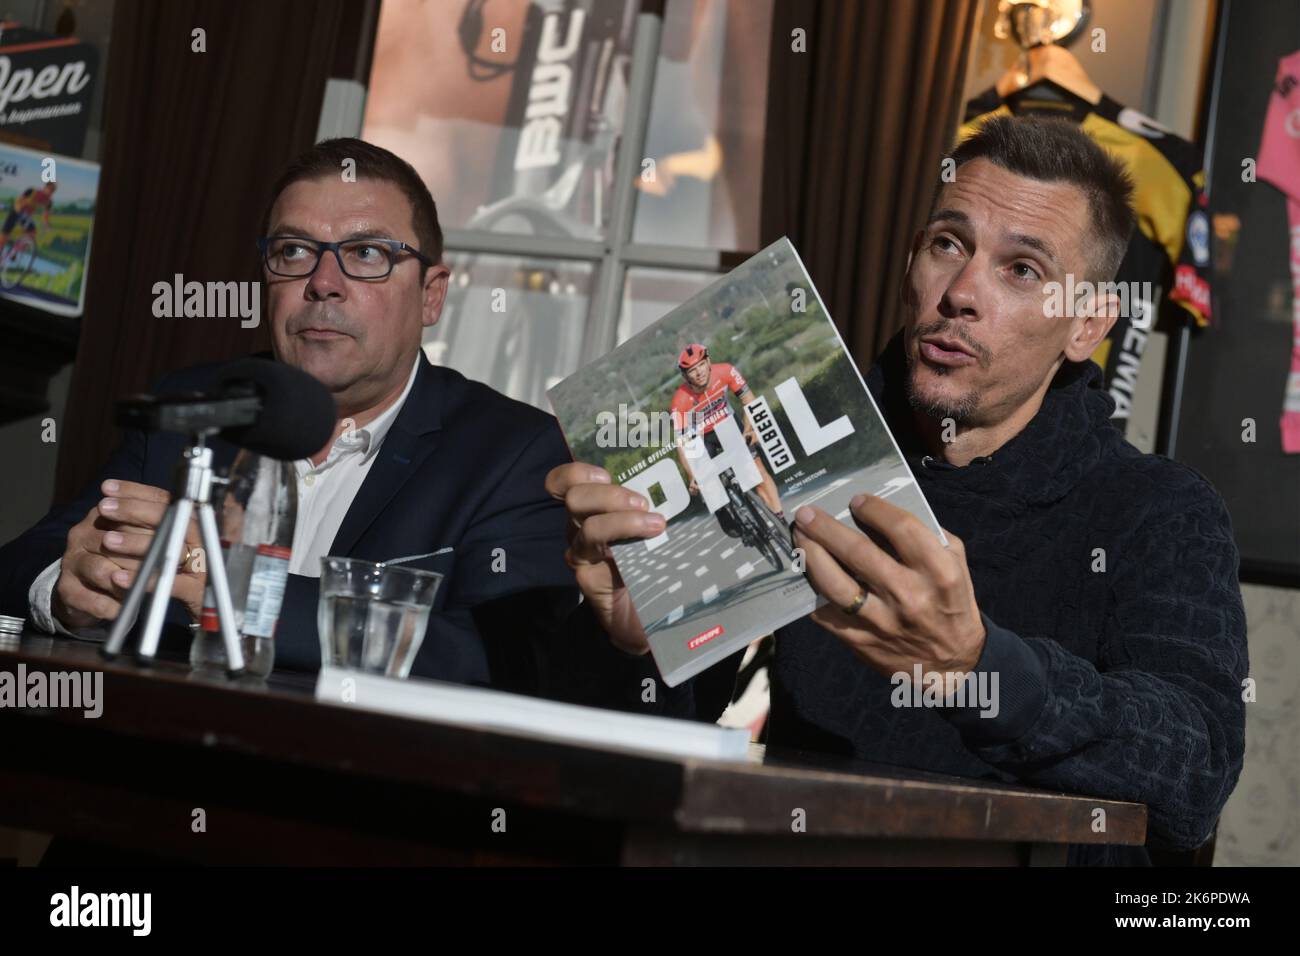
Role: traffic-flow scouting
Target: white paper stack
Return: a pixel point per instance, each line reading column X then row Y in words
column 524, row 716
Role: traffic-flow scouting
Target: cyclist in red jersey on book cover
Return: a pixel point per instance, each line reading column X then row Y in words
column 702, row 400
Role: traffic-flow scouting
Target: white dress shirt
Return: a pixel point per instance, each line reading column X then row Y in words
column 325, row 491
column 325, row 494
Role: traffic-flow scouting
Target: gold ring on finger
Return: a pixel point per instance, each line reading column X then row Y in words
column 852, row 608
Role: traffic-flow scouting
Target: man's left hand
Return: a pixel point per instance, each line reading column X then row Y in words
column 920, row 606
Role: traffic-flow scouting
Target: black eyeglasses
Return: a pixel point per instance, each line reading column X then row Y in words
column 295, row 257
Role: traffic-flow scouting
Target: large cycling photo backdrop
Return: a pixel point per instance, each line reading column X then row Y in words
column 772, row 385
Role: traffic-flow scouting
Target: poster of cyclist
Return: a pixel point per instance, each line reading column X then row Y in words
column 47, row 204
column 729, row 413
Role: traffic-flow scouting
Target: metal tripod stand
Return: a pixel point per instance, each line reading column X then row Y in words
column 193, row 490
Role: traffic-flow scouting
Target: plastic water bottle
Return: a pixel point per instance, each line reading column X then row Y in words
column 256, row 515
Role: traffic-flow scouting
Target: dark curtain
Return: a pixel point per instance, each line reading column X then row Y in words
column 192, row 141
column 856, row 128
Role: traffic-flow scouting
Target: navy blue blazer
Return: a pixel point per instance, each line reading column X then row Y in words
column 461, row 468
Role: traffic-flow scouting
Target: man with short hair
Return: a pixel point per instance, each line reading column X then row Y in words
column 1092, row 587
column 422, row 461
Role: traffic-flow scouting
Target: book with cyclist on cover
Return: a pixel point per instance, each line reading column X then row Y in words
column 729, row 413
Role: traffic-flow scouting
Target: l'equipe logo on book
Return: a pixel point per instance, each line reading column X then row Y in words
column 701, row 639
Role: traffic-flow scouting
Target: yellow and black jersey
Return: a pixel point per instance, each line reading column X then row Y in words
column 1170, row 249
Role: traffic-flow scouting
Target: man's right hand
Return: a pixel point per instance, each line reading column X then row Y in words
column 600, row 513
column 95, row 574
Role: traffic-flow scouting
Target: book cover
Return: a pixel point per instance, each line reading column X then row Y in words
column 728, row 414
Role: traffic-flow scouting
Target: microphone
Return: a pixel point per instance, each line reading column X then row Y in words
column 267, row 407
column 296, row 413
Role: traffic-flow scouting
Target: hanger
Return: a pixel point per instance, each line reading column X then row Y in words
column 1050, row 65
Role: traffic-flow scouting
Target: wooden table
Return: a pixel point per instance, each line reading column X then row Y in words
column 276, row 777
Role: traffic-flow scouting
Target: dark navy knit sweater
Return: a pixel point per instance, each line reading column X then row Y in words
column 1123, row 684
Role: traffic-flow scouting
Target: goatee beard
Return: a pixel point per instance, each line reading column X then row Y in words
column 959, row 410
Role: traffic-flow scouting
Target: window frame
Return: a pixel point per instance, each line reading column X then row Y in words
column 613, row 255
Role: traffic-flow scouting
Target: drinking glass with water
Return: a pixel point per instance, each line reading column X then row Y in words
column 372, row 616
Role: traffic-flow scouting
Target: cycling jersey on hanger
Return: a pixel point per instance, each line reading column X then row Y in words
column 1279, row 164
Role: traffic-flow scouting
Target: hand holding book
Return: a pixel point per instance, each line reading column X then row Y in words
column 601, row 513
column 915, row 605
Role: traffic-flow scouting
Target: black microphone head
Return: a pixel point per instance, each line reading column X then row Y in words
column 298, row 412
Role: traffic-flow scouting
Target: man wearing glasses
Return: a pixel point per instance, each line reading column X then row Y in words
column 422, row 462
